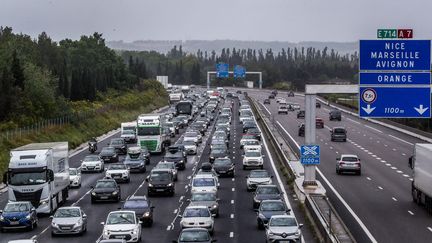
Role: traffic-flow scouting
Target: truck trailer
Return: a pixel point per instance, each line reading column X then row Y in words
column 421, row 163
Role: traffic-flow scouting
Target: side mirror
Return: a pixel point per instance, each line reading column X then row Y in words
column 102, row 223
column 188, row 200
column 271, row 176
column 140, row 222
column 84, row 216
column 266, row 226
column 217, row 199
column 300, row 225
column 180, row 216
column 147, row 179
column 288, row 210
column 51, row 217
column 213, row 215
column 50, row 175
column 152, row 207
column 337, row 159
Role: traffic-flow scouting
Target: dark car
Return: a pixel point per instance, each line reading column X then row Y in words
column 266, row 192
column 301, row 114
column 267, row 209
column 119, row 144
column 179, row 122
column 319, row 122
column 109, row 155
column 224, row 167
column 135, row 163
column 106, row 190
column 248, row 125
column 218, row 152
column 267, row 101
column 335, row 115
column 177, row 157
column 198, row 235
column 17, row 215
column 291, row 94
column 318, row 105
column 142, row 207
column 271, row 96
column 301, row 130
column 238, row 92
column 255, row 132
column 338, row 133
column 160, row 181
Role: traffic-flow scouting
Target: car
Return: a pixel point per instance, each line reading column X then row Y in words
column 319, row 122
column 192, row 136
column 224, row 167
column 249, row 125
column 238, row 91
column 282, row 228
column 338, row 133
column 18, row 215
column 267, row 209
column 204, row 183
column 318, row 105
column 256, row 178
column 190, row 146
column 207, row 169
column 335, row 115
column 168, row 165
column 172, row 127
column 105, row 190
column 178, row 147
column 119, row 145
column 75, row 177
column 198, row 235
column 179, row 122
column 282, row 101
column 220, row 136
column 218, row 152
column 142, row 207
column 68, row 221
column 135, row 160
column 266, row 192
column 301, row 114
column 92, row 163
column 291, row 94
column 348, row 163
column 253, row 158
column 283, row 109
column 185, row 119
column 199, row 128
column 301, row 130
column 245, row 115
column 208, row 199
column 248, row 139
column 197, row 217
column 119, row 172
column 267, row 101
column 109, row 155
column 295, row 106
column 271, row 96
column 129, row 136
column 113, row 241
column 177, row 157
column 122, row 225
column 160, row 181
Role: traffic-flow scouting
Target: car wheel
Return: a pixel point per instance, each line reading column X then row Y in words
column 244, row 167
column 52, row 234
column 359, row 173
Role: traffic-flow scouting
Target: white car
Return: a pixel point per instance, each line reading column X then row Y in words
column 252, row 148
column 118, row 172
column 192, row 136
column 256, row 178
column 248, row 140
column 92, row 163
column 283, row 109
column 283, row 228
column 204, row 183
column 253, row 158
column 197, row 217
column 190, row 147
column 122, row 225
column 75, row 177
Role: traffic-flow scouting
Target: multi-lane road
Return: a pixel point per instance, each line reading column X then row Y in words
column 380, row 206
column 236, row 223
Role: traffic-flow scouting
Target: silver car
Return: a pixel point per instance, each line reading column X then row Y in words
column 208, row 199
column 68, row 220
column 283, row 228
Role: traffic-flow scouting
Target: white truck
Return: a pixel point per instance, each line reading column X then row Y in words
column 128, row 132
column 39, row 173
column 185, row 89
column 150, row 133
column 421, row 187
column 175, row 97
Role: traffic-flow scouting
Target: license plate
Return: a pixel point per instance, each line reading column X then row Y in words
column 284, row 241
column 66, row 228
column 90, row 168
column 104, row 197
column 159, row 190
column 117, row 177
column 119, row 237
column 222, row 172
column 14, row 223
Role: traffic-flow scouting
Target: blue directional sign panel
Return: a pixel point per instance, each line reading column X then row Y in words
column 222, row 70
column 391, row 102
column 388, row 55
column 394, row 79
column 310, row 154
column 239, row 72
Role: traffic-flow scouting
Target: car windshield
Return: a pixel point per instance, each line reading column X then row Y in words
column 194, row 236
column 196, row 212
column 134, row 204
column 107, row 150
column 248, row 136
column 17, row 207
column 189, row 142
column 91, row 158
column 267, row 190
column 218, row 151
column 128, row 132
column 283, row 222
column 165, row 165
column 222, row 162
column 203, row 182
column 149, row 131
column 191, row 134
column 27, row 178
column 160, row 176
column 350, row 159
column 73, row 172
column 252, row 154
column 339, row 130
column 67, row 213
column 121, row 218
column 117, row 167
column 259, row 174
column 272, row 206
column 203, row 197
column 251, row 142
column 116, row 142
column 105, row 184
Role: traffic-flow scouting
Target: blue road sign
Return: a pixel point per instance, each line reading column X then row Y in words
column 310, row 154
column 395, row 102
column 239, row 72
column 388, row 55
column 393, row 79
column 222, row 70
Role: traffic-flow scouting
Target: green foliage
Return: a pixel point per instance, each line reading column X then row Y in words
column 282, row 86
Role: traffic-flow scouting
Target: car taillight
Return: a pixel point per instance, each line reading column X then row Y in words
column 358, row 164
column 341, row 163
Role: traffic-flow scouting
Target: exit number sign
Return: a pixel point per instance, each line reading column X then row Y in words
column 395, row 34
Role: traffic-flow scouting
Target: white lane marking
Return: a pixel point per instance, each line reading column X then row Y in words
column 175, row 211
column 232, row 201
column 403, row 154
column 400, row 139
column 405, row 175
column 231, row 234
column 378, row 158
column 373, row 155
column 266, row 109
column 393, row 168
column 380, row 188
column 326, row 109
column 233, row 179
column 394, row 149
column 394, row 199
column 399, row 171
column 411, row 179
column 429, row 228
column 168, row 228
column 233, row 189
column 385, row 145
column 373, row 128
column 383, row 161
column 378, row 141
column 410, row 212
column 232, row 216
column 181, row 198
column 366, row 150
column 368, row 178
column 353, row 121
column 350, row 210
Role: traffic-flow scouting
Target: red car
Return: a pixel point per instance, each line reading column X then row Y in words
column 319, row 122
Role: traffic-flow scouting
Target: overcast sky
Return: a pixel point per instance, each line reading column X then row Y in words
column 267, row 20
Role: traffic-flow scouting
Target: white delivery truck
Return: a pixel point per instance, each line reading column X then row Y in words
column 421, row 163
column 151, row 134
column 39, row 173
column 175, row 97
column 128, row 132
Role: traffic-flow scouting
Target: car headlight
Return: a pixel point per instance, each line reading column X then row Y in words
column 271, row 233
column 256, row 200
column 53, row 224
column 135, row 231
column 261, row 216
column 170, row 184
column 214, row 206
column 146, row 214
column 28, row 217
column 106, row 232
column 181, row 161
column 44, row 201
column 94, row 193
column 79, row 223
column 125, row 173
column 115, row 193
column 297, row 233
column 150, row 185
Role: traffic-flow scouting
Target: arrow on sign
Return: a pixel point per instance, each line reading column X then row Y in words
column 421, row 110
column 368, row 109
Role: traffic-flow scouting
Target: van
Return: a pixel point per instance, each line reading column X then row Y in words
column 335, row 115
column 338, row 133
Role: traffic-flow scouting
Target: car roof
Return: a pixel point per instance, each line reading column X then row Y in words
column 349, row 155
column 161, row 169
column 144, row 198
column 284, row 216
column 197, row 176
column 106, row 179
column 194, row 229
column 196, row 206
column 268, row 186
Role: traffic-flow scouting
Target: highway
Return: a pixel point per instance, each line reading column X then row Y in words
column 381, row 196
column 236, row 223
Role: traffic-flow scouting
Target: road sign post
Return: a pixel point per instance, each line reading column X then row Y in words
column 310, row 127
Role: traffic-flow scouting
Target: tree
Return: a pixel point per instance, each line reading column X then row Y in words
column 17, row 71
